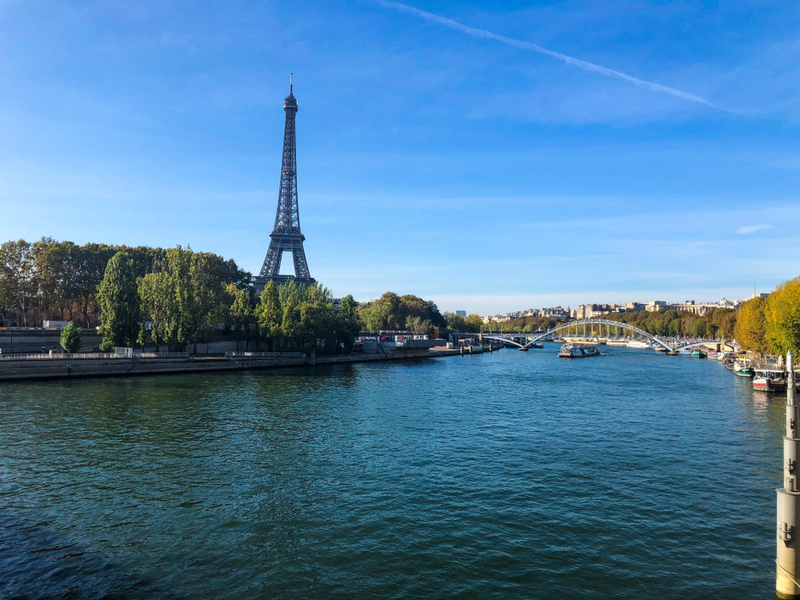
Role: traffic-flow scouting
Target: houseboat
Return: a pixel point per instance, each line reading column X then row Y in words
column 769, row 380
column 742, row 367
column 578, row 351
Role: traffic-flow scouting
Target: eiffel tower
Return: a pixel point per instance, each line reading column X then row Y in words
column 286, row 235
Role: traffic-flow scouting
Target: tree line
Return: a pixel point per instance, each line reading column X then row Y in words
column 183, row 300
column 471, row 324
column 772, row 325
column 717, row 322
column 176, row 297
column 52, row 280
column 402, row 313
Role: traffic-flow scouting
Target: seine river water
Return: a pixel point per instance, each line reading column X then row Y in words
column 510, row 475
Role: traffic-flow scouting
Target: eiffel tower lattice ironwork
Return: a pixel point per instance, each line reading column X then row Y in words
column 286, row 235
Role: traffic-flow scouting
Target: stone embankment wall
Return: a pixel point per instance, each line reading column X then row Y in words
column 72, row 368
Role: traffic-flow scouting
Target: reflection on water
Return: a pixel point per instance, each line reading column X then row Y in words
column 511, row 475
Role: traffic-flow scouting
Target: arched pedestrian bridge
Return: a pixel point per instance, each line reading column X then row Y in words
column 582, row 324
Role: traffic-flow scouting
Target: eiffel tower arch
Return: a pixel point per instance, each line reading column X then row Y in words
column 286, row 234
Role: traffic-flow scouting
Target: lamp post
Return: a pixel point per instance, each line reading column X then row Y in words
column 787, row 543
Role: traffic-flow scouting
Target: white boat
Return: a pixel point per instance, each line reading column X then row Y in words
column 616, row 342
column 638, row 344
column 769, row 380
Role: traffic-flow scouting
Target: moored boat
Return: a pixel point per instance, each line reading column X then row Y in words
column 616, row 342
column 769, row 380
column 578, row 351
column 726, row 356
column 537, row 345
column 697, row 353
column 742, row 367
column 637, row 344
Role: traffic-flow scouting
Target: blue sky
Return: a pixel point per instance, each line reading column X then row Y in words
column 433, row 158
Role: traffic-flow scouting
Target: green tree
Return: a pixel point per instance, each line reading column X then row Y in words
column 90, row 267
column 71, row 338
column 269, row 315
column 381, row 314
column 674, row 328
column 473, row 323
column 120, row 309
column 347, row 325
column 157, row 294
column 291, row 323
column 699, row 328
column 782, row 318
column 454, row 322
column 751, row 326
column 17, row 283
column 241, row 314
column 418, row 325
column 727, row 325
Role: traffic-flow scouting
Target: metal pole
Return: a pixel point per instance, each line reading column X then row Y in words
column 788, row 548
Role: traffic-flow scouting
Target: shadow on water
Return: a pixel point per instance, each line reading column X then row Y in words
column 38, row 564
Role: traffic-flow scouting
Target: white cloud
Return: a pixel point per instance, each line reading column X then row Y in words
column 751, row 229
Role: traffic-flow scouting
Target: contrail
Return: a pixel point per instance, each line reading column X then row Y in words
column 581, row 64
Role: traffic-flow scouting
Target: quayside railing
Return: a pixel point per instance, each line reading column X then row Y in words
column 91, row 355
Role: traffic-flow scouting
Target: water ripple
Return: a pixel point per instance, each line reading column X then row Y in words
column 512, row 475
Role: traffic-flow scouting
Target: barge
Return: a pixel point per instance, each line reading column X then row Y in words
column 578, row 351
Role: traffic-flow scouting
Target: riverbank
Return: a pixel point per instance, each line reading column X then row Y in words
column 76, row 367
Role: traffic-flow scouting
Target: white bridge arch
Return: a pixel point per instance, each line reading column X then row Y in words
column 584, row 322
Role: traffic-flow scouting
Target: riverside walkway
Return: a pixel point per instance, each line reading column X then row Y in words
column 75, row 366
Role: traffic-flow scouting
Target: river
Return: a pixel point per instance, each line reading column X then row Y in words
column 506, row 475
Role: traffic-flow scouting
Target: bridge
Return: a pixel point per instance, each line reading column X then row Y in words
column 577, row 325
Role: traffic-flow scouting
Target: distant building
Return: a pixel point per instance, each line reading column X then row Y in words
column 555, row 312
column 461, row 313
column 632, row 307
column 655, row 305
column 702, row 308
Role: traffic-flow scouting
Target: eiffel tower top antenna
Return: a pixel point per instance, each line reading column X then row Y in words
column 291, row 76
